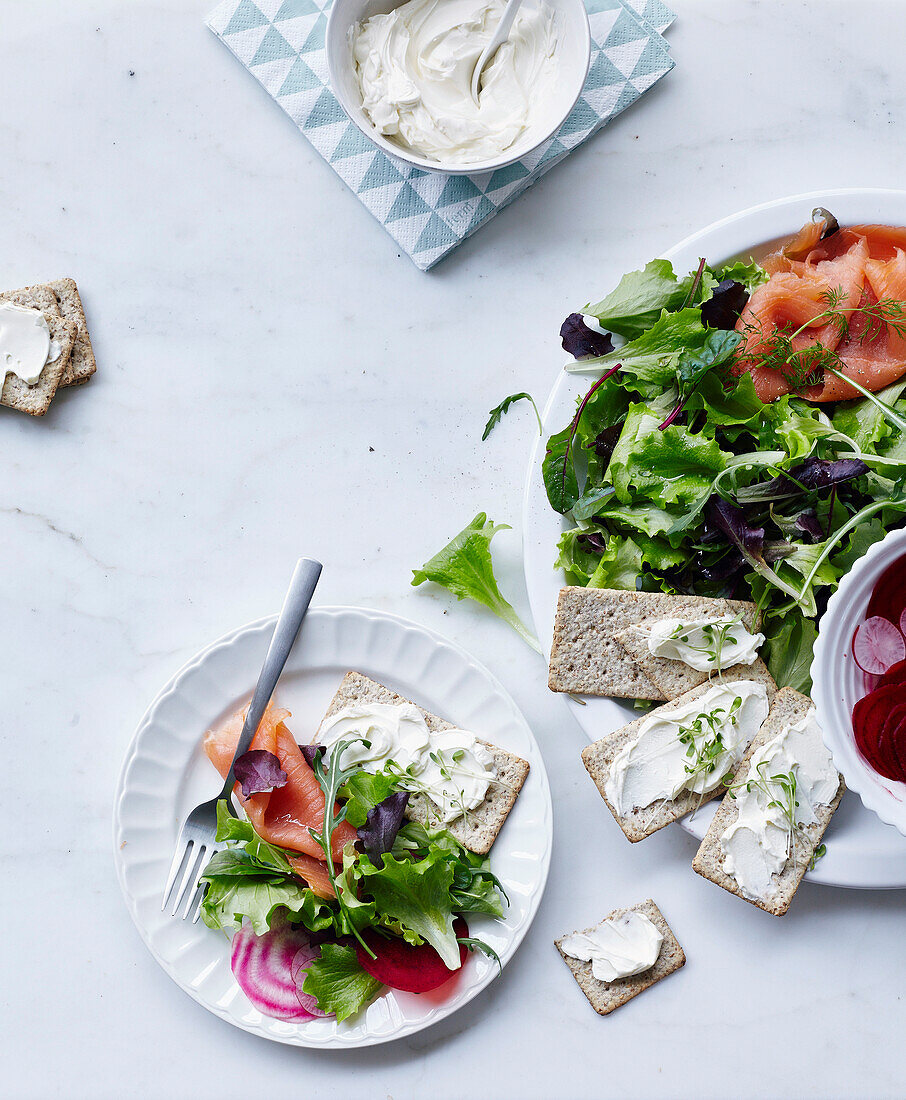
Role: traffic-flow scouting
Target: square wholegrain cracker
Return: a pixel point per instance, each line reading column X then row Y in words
column 789, row 706
column 16, row 394
column 82, row 363
column 479, row 830
column 604, row 997
column 598, row 759
column 670, row 677
column 587, row 656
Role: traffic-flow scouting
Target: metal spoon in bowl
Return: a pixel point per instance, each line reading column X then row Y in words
column 497, row 40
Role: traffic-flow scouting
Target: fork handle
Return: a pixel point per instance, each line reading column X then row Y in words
column 289, row 623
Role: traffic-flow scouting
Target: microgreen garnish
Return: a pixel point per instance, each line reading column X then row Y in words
column 715, row 637
column 330, row 779
column 703, row 739
column 785, row 801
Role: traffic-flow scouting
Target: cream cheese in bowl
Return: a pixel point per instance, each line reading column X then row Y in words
column 414, row 67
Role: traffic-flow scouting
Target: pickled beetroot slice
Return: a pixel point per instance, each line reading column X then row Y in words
column 896, row 674
column 404, row 966
column 878, row 645
column 888, row 598
column 893, row 740
column 881, row 749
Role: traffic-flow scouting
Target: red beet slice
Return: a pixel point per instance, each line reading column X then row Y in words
column 893, row 738
column 403, row 966
column 878, row 645
column 888, row 598
column 896, row 674
column 869, row 715
column 886, row 750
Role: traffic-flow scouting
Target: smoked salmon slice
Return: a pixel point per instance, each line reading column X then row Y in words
column 284, row 815
column 859, row 265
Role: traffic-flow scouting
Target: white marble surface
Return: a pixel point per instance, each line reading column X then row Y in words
column 257, row 336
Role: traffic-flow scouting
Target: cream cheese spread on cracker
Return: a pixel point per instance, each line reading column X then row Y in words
column 690, row 748
column 787, row 779
column 617, row 948
column 25, row 343
column 450, row 766
column 705, row 644
column 414, row 66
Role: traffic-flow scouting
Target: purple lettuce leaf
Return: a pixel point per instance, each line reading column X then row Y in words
column 809, row 524
column 259, row 771
column 311, row 754
column 727, row 301
column 382, row 824
column 732, row 523
column 582, row 342
column 814, row 475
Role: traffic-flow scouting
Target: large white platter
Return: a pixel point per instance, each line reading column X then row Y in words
column 165, row 774
column 862, row 852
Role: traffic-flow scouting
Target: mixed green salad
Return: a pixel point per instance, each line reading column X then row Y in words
column 402, row 895
column 673, row 476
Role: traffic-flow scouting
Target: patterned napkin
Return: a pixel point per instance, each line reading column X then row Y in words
column 281, row 42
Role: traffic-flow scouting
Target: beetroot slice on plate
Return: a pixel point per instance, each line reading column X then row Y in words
column 888, row 599
column 869, row 715
column 893, row 740
column 896, row 674
column 404, row 966
column 878, row 645
column 263, row 968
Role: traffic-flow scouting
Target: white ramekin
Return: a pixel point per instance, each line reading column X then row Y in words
column 573, row 54
column 837, row 682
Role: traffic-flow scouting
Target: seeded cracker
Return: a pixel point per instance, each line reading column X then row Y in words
column 604, row 997
column 600, row 755
column 788, row 706
column 674, row 677
column 479, row 829
column 588, row 657
column 36, row 399
column 82, row 364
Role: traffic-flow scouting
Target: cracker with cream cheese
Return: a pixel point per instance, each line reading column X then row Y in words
column 35, row 399
column 599, row 757
column 589, row 656
column 476, row 831
column 789, row 706
column 605, row 997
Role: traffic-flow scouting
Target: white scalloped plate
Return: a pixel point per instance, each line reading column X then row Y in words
column 165, row 774
column 862, row 852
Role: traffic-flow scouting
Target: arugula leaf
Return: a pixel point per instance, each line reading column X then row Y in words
column 504, row 407
column 639, row 298
column 591, row 501
column 417, row 894
column 464, row 567
column 692, row 366
column 338, row 982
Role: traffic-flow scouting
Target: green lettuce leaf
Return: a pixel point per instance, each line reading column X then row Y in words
column 864, row 422
column 575, row 558
column 362, row 792
column 620, row 565
column 465, row 568
column 667, row 467
column 789, row 648
column 338, row 982
column 639, row 298
column 751, row 275
column 229, row 899
column 417, row 894
column 558, row 469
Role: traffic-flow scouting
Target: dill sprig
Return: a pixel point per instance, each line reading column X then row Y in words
column 805, row 367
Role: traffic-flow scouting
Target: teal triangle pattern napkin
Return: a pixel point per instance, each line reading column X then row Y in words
column 428, row 214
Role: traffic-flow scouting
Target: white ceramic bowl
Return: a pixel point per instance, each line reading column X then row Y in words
column 573, row 55
column 838, row 681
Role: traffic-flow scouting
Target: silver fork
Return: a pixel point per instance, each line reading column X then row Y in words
column 196, row 843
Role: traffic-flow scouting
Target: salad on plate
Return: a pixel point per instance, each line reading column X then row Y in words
column 356, row 863
column 742, row 435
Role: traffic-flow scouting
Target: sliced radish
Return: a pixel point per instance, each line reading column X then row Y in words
column 404, row 966
column 262, row 966
column 902, row 623
column 302, row 959
column 878, row 645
